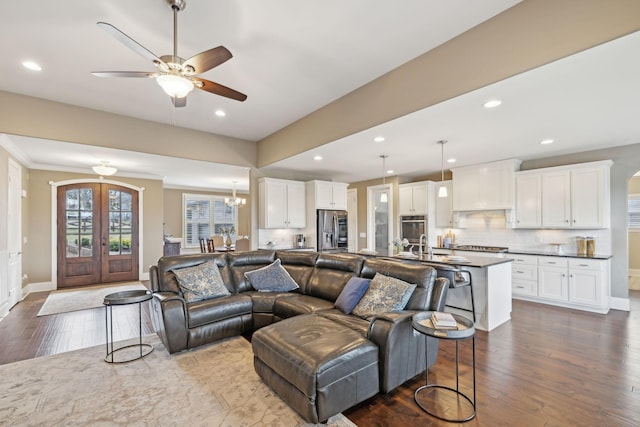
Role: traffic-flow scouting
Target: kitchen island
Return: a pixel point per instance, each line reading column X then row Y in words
column 491, row 281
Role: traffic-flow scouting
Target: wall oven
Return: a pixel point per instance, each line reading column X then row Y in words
column 411, row 227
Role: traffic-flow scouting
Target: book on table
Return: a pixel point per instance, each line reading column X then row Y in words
column 442, row 320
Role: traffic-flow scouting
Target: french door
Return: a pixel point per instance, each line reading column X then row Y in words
column 97, row 234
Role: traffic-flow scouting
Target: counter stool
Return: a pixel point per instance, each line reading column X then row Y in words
column 459, row 278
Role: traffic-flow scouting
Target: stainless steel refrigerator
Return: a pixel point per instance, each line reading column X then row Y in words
column 332, row 231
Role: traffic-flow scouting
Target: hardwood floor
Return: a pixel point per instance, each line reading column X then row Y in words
column 548, row 366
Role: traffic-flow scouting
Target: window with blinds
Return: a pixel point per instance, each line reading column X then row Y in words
column 204, row 216
column 633, row 212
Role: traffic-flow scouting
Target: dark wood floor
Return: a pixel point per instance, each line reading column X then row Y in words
column 548, row 366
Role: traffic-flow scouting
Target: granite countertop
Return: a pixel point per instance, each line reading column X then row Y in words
column 471, row 260
column 564, row 254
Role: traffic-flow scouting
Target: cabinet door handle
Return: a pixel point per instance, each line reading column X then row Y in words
column 520, row 287
column 520, row 272
column 551, row 262
column 583, row 265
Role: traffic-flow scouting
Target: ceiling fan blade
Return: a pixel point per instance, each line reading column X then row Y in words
column 219, row 89
column 179, row 102
column 204, row 61
column 123, row 74
column 129, row 42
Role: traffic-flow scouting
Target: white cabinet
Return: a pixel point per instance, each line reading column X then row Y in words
column 281, row 203
column 444, row 205
column 413, row 198
column 574, row 196
column 488, row 186
column 580, row 283
column 524, row 275
column 528, row 200
column 553, row 282
column 328, row 195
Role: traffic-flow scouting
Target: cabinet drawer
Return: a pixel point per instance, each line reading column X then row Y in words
column 524, row 287
column 553, row 262
column 524, row 271
column 585, row 264
column 523, row 259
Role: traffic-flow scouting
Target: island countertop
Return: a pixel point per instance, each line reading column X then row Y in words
column 471, row 260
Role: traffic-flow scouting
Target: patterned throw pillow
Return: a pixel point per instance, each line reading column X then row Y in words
column 201, row 282
column 352, row 293
column 272, row 278
column 384, row 294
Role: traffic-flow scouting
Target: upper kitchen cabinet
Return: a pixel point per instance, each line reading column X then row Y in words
column 444, row 207
column 576, row 196
column 328, row 195
column 281, row 203
column 528, row 200
column 488, row 186
column 413, row 198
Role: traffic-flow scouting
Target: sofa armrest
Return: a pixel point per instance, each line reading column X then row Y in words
column 401, row 348
column 169, row 317
column 439, row 296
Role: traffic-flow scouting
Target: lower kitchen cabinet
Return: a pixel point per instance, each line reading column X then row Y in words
column 579, row 283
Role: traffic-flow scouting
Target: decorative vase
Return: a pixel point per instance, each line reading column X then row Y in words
column 228, row 242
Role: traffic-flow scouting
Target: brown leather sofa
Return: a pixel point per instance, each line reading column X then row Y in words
column 397, row 350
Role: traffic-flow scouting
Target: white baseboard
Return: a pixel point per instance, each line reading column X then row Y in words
column 634, row 272
column 623, row 304
column 37, row 287
column 144, row 276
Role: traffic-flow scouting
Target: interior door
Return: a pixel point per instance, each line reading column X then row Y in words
column 97, row 234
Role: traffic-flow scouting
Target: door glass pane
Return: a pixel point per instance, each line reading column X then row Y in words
column 381, row 207
column 120, row 222
column 79, row 222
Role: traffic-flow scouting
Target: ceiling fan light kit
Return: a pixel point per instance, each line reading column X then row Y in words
column 175, row 75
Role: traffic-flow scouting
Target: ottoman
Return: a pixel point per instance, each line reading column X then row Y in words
column 319, row 367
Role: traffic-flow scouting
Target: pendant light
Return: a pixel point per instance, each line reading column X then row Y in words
column 383, row 196
column 442, row 191
column 234, row 200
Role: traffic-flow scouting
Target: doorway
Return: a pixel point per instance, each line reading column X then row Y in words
column 97, row 234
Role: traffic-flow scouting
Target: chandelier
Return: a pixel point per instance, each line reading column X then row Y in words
column 234, row 200
column 104, row 169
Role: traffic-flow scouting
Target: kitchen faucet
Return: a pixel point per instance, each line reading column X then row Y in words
column 429, row 250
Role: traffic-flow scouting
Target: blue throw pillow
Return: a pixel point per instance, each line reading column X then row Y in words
column 384, row 294
column 272, row 278
column 201, row 282
column 351, row 294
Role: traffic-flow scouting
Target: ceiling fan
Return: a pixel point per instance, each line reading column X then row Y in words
column 175, row 75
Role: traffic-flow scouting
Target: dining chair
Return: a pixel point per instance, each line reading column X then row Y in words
column 217, row 241
column 242, row 244
column 203, row 245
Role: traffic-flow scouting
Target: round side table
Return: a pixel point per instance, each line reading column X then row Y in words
column 466, row 330
column 125, row 298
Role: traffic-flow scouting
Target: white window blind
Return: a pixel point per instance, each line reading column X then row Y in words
column 204, row 216
column 633, row 211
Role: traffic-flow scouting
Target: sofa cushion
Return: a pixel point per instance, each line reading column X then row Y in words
column 200, row 282
column 384, row 294
column 352, row 293
column 214, row 310
column 299, row 304
column 331, row 274
column 272, row 278
column 241, row 262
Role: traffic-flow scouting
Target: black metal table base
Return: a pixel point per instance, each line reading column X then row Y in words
column 124, row 298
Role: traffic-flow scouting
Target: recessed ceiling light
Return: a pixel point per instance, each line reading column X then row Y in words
column 492, row 103
column 31, row 65
column 317, row 157
column 546, row 141
column 220, row 113
column 390, row 171
column 451, row 160
column 378, row 138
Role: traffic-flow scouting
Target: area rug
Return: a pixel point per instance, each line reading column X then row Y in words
column 214, row 385
column 81, row 299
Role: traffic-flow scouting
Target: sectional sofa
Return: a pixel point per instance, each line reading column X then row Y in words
column 319, row 358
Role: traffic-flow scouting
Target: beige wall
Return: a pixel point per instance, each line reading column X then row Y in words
column 38, row 262
column 173, row 211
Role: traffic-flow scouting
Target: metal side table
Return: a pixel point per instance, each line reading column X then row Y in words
column 125, row 298
column 422, row 323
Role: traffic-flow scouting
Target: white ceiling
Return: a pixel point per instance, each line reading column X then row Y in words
column 292, row 57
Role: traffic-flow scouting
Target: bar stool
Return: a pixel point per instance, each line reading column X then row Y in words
column 459, row 278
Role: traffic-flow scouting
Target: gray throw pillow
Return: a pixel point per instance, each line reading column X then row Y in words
column 272, row 278
column 201, row 282
column 384, row 294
